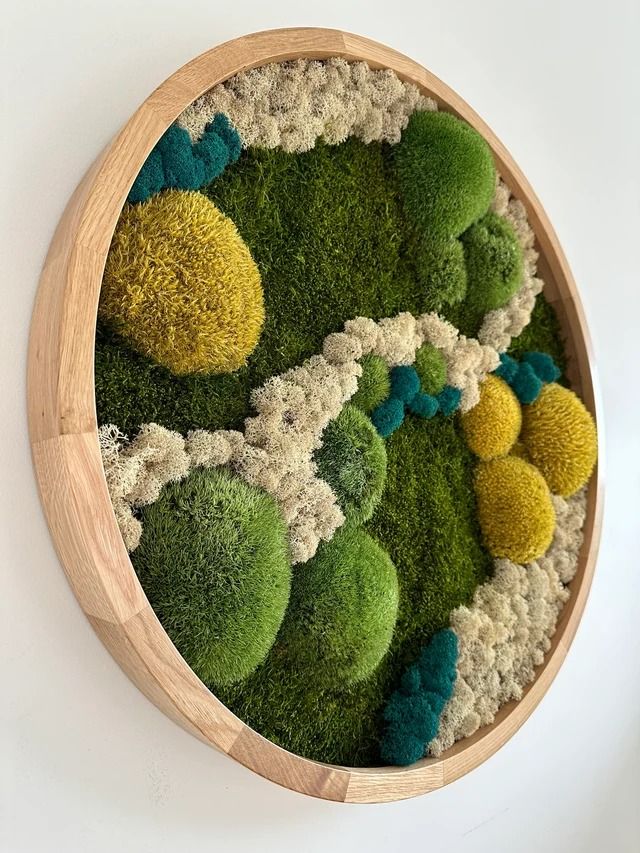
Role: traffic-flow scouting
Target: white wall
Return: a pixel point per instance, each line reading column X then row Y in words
column 88, row 764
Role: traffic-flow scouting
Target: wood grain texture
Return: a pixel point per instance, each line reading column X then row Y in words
column 63, row 429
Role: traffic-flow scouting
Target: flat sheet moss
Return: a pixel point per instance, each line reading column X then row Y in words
column 426, row 521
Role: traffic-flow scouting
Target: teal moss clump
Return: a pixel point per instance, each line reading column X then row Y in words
column 213, row 562
column 353, row 460
column 543, row 366
column 412, row 714
column 445, row 173
column 449, row 399
column 424, row 406
column 493, row 258
column 426, row 521
column 405, row 383
column 527, row 377
column 388, row 416
column 178, row 163
column 374, row 385
column 431, row 369
column 344, row 604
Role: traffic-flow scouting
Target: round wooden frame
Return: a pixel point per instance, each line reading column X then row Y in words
column 63, row 429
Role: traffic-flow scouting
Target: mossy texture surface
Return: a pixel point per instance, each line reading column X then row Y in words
column 329, row 235
column 426, row 522
column 353, row 460
column 328, row 232
column 343, row 609
column 213, row 562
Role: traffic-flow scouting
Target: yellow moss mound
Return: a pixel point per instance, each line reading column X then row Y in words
column 560, row 437
column 514, row 508
column 181, row 286
column 492, row 427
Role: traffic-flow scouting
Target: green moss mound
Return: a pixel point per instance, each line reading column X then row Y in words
column 213, row 563
column 353, row 460
column 442, row 272
column 426, row 522
column 543, row 334
column 431, row 369
column 494, row 262
column 445, row 173
column 343, row 608
column 374, row 384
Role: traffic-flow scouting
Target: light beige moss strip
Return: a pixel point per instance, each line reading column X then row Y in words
column 291, row 105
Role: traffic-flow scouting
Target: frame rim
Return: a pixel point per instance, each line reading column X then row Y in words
column 68, row 466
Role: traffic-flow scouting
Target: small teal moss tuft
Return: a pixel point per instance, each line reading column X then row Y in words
column 374, row 385
column 405, row 383
column 412, row 714
column 177, row 163
column 507, row 368
column 424, row 405
column 449, row 399
column 525, row 384
column 388, row 416
column 543, row 366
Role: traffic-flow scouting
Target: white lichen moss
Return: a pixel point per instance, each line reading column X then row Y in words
column 504, row 634
column 290, row 105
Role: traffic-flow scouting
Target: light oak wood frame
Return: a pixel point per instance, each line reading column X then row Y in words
column 63, row 430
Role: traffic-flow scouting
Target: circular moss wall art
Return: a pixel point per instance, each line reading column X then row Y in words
column 312, row 412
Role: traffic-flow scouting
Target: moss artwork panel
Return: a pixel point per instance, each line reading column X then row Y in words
column 329, row 236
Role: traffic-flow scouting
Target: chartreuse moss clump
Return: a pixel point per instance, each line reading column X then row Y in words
column 353, row 460
column 441, row 270
column 431, row 369
column 445, row 173
column 344, row 604
column 180, row 285
column 412, row 714
column 514, row 508
column 426, row 522
column 213, row 562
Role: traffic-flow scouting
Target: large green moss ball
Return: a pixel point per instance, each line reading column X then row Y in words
column 445, row 172
column 494, row 262
column 213, row 563
column 441, row 271
column 374, row 384
column 342, row 612
column 353, row 460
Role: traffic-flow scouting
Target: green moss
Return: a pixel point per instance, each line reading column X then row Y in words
column 445, row 173
column 431, row 368
column 328, row 233
column 213, row 563
column 493, row 258
column 342, row 612
column 426, row 522
column 353, row 460
column 543, row 334
column 374, row 384
column 442, row 272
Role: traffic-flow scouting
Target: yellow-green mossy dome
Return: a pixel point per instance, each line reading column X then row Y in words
column 180, row 285
column 514, row 509
column 492, row 427
column 560, row 436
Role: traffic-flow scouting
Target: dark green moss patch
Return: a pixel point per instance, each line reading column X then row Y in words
column 541, row 335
